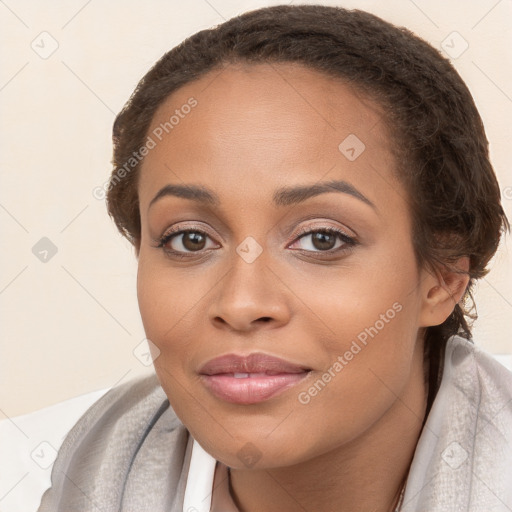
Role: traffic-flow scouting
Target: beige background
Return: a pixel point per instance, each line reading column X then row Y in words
column 70, row 325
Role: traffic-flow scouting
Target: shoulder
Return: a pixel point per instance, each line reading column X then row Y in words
column 139, row 397
column 119, row 432
column 477, row 384
column 474, row 368
column 466, row 442
column 137, row 400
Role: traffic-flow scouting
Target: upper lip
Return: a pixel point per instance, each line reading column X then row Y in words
column 252, row 363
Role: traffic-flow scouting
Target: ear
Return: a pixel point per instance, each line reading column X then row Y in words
column 441, row 292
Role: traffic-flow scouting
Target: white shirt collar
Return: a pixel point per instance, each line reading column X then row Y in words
column 199, row 486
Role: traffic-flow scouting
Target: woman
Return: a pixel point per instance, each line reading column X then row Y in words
column 309, row 194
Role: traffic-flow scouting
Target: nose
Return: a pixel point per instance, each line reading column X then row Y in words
column 249, row 296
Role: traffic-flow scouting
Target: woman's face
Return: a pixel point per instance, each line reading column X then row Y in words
column 298, row 248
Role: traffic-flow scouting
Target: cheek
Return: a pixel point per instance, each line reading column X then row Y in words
column 365, row 297
column 369, row 368
column 371, row 315
column 167, row 300
column 149, row 296
column 165, row 308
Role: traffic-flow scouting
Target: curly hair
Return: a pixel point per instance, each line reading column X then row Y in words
column 437, row 134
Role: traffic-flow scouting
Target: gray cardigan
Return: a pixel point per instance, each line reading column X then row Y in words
column 130, row 453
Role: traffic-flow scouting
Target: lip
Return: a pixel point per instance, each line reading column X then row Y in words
column 259, row 377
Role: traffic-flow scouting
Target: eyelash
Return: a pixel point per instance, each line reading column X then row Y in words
column 349, row 242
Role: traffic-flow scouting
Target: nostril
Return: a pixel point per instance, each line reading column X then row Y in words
column 265, row 319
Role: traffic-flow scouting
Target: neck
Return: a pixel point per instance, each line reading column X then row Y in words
column 366, row 474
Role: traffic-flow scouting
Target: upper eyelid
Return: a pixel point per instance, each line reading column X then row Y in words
column 303, row 230
column 327, row 223
column 170, row 232
column 309, row 229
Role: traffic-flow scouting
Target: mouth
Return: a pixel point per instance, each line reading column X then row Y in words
column 250, row 379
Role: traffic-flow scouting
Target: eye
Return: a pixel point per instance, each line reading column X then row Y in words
column 324, row 240
column 185, row 241
column 181, row 243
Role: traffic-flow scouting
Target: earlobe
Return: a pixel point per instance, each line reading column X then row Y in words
column 441, row 292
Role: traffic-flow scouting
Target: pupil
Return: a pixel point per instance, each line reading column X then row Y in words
column 193, row 241
column 323, row 241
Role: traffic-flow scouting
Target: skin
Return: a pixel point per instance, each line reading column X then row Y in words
column 254, row 130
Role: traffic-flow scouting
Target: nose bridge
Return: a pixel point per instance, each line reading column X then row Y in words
column 249, row 291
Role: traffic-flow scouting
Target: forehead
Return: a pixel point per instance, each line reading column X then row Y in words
column 269, row 125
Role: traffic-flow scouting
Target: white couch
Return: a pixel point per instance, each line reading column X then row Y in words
column 28, row 446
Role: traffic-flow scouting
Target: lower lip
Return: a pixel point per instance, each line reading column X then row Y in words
column 251, row 390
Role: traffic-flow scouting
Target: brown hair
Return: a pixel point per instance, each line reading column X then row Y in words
column 439, row 139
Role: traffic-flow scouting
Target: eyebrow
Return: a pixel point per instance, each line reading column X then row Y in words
column 285, row 196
